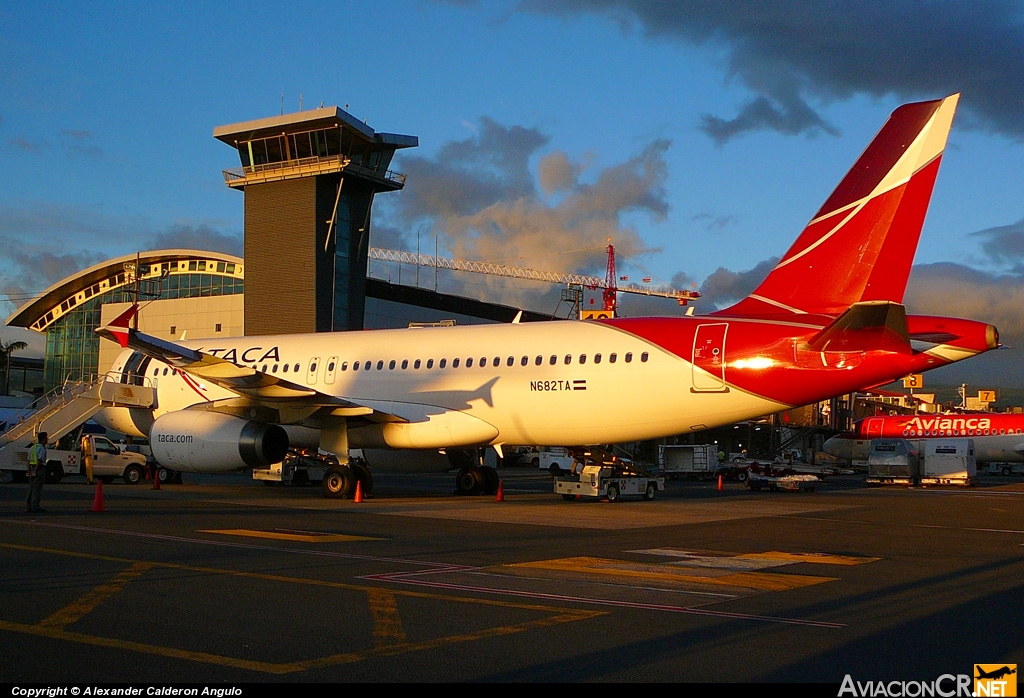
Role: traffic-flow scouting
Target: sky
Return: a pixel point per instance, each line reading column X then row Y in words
column 699, row 137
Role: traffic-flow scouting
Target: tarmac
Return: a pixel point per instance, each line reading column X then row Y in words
column 221, row 580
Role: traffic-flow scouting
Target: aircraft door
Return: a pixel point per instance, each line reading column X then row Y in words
column 708, row 374
column 874, row 428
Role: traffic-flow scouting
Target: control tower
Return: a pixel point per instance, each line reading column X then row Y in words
column 309, row 180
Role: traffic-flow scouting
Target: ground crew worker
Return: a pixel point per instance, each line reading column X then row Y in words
column 37, row 474
column 88, row 455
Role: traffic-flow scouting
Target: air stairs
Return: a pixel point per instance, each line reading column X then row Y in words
column 64, row 410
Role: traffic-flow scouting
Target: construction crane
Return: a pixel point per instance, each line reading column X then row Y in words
column 609, row 285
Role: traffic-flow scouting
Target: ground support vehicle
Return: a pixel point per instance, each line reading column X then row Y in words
column 1006, row 468
column 733, row 471
column 611, row 481
column 922, row 462
column 790, row 483
column 66, row 458
column 688, row 460
column 555, row 459
column 948, row 462
column 305, row 466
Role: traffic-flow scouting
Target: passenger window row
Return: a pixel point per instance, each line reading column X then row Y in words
column 482, row 362
column 469, row 362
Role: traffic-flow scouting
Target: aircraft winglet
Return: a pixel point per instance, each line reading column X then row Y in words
column 119, row 327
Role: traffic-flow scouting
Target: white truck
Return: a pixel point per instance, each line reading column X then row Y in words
column 66, row 458
column 555, row 459
column 947, row 461
column 611, row 481
column 688, row 460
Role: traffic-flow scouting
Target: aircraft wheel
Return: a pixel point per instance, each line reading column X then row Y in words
column 469, row 481
column 133, row 475
column 338, row 482
column 490, row 480
column 613, row 493
column 652, row 490
column 166, row 475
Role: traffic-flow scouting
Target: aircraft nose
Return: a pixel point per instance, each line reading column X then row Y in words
column 837, row 447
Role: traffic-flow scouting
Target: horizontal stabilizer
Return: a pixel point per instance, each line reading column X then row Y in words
column 868, row 326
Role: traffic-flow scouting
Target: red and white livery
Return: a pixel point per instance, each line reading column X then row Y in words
column 998, row 438
column 827, row 320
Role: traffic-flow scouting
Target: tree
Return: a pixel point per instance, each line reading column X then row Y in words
column 6, row 350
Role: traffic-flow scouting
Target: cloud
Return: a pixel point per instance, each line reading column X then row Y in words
column 1004, row 244
column 713, row 223
column 955, row 290
column 79, row 143
column 24, row 145
column 791, row 52
column 724, row 287
column 200, row 237
column 43, row 243
column 485, row 203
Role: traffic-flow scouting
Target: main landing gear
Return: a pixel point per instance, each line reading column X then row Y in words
column 475, row 477
column 340, row 480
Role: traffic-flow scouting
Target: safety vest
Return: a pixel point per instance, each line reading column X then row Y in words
column 37, row 454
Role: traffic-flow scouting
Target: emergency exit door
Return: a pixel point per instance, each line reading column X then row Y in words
column 709, row 359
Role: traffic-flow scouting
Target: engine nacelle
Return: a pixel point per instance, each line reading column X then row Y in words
column 195, row 441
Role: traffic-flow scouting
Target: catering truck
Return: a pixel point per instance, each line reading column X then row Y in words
column 942, row 461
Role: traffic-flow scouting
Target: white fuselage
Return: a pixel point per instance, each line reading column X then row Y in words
column 561, row 383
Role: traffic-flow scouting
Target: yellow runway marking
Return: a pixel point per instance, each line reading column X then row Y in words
column 83, row 606
column 389, row 637
column 763, row 581
column 299, row 536
column 387, row 623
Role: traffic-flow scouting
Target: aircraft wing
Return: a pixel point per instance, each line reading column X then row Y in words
column 248, row 382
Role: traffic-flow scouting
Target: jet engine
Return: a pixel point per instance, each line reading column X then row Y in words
column 196, row 441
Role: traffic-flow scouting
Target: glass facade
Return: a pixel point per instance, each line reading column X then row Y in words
column 72, row 345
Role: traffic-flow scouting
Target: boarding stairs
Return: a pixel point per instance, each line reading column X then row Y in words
column 64, row 410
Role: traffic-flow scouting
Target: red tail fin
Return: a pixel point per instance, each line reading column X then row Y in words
column 861, row 243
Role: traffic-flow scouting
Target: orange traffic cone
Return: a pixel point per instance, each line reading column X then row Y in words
column 156, row 478
column 719, row 483
column 359, row 492
column 97, row 501
column 501, row 492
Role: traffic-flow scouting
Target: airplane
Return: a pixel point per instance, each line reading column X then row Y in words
column 827, row 321
column 998, row 438
column 995, row 674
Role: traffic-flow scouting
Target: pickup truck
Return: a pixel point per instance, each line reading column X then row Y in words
column 110, row 463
